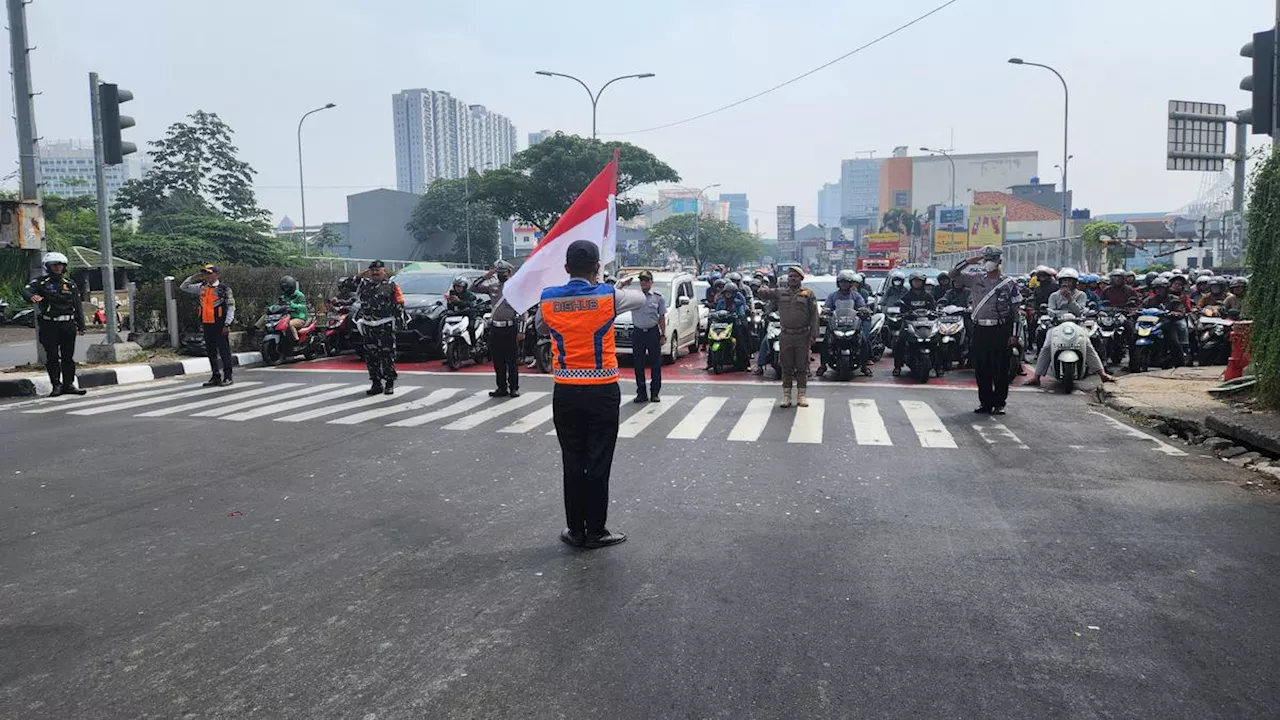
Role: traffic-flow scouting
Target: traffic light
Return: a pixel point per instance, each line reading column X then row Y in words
column 113, row 148
column 1261, row 82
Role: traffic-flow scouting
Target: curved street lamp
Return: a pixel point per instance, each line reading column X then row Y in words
column 697, row 218
column 302, row 186
column 1066, row 119
column 595, row 97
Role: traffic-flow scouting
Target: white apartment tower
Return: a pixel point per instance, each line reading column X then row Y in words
column 66, row 168
column 439, row 136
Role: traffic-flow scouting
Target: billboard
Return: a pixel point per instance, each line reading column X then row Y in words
column 786, row 229
column 986, row 225
column 881, row 244
column 947, row 241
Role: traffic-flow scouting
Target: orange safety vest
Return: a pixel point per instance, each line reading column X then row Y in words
column 579, row 317
column 212, row 304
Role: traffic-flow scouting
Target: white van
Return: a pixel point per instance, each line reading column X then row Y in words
column 682, row 313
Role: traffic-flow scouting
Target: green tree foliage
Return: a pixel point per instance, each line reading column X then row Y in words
column 902, row 221
column 443, row 209
column 544, row 180
column 162, row 255
column 195, row 166
column 705, row 240
column 1263, row 257
column 1112, row 252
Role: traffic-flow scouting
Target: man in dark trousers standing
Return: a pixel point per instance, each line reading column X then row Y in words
column 648, row 328
column 381, row 303
column 995, row 300
column 578, row 317
column 504, row 331
column 57, row 301
column 217, row 309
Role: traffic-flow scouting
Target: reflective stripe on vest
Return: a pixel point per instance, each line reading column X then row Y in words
column 579, row 317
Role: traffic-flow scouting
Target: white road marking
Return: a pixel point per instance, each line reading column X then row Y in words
column 928, row 427
column 693, row 424
column 126, row 402
column 643, row 418
column 437, row 396
column 751, row 424
column 473, row 401
column 365, row 401
column 994, row 433
column 237, row 407
column 622, row 402
column 868, row 426
column 277, row 408
column 1161, row 446
column 96, row 395
column 126, row 374
column 807, row 426
column 532, row 421
column 205, row 403
column 509, row 405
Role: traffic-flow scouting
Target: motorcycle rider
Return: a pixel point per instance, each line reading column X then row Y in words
column 1215, row 293
column 1067, row 299
column 1131, row 278
column 1200, row 289
column 734, row 301
column 713, row 291
column 1235, row 300
column 504, row 330
column 57, row 301
column 381, row 303
column 943, row 287
column 798, row 311
column 1118, row 293
column 295, row 301
column 459, row 298
column 897, row 288
column 917, row 297
column 847, row 291
column 1046, row 285
column 1177, row 306
column 736, row 279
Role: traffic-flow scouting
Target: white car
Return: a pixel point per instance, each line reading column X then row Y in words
column 682, row 315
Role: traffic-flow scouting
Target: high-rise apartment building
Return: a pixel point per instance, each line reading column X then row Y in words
column 860, row 191
column 66, row 168
column 738, row 207
column 537, row 137
column 439, row 136
column 829, row 202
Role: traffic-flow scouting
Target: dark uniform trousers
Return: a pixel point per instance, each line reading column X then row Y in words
column 380, row 351
column 991, row 357
column 218, row 347
column 59, row 340
column 506, row 356
column 646, row 352
column 586, row 420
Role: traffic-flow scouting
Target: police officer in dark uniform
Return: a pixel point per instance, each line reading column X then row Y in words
column 504, row 331
column 996, row 298
column 57, row 300
column 578, row 316
column 381, row 303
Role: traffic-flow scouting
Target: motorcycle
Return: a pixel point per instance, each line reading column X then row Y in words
column 893, row 324
column 773, row 343
column 340, row 333
column 1068, row 346
column 723, row 346
column 536, row 346
column 278, row 344
column 1017, row 351
column 952, row 337
column 845, row 336
column 1214, row 333
column 876, row 333
column 1148, row 338
column 922, row 345
column 456, row 336
column 1111, row 334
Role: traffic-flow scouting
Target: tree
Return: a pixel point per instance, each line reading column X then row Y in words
column 1112, row 252
column 543, row 181
column 443, row 210
column 196, row 167
column 705, row 239
column 1262, row 303
column 903, row 222
column 162, row 255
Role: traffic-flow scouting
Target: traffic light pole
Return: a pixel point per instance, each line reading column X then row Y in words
column 104, row 219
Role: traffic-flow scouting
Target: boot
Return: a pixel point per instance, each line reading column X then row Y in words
column 69, row 386
column 389, row 388
column 801, row 400
column 57, row 390
column 786, row 397
column 376, row 389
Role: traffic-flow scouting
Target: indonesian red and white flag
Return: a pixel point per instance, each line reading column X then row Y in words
column 593, row 216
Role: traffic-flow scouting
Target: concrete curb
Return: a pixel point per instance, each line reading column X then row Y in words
column 123, row 375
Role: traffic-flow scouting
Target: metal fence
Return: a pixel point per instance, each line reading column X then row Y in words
column 351, row 266
column 1023, row 257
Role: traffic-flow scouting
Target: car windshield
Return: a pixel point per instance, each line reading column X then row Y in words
column 822, row 288
column 425, row 283
column 876, row 284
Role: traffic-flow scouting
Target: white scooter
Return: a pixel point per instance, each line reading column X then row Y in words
column 1069, row 347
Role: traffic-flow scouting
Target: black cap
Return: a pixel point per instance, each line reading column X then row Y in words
column 646, row 275
column 376, row 264
column 582, row 252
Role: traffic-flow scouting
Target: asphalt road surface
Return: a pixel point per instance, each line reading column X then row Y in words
column 290, row 548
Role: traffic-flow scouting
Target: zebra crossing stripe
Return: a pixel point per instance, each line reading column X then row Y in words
column 751, row 424
column 868, row 425
column 50, row 405
column 364, row 401
column 532, row 421
column 474, row 401
column 277, row 408
column 693, row 424
column 269, row 399
column 928, row 426
column 100, row 395
column 642, row 419
column 435, row 397
column 507, row 406
column 203, row 404
column 807, row 427
column 126, row 402
column 994, row 432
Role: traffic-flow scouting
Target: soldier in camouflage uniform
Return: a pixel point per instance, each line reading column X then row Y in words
column 381, row 304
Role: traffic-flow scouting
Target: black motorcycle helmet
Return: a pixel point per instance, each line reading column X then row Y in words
column 288, row 285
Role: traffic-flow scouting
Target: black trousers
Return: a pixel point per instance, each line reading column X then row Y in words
column 991, row 357
column 586, row 420
column 646, row 352
column 506, row 357
column 218, row 347
column 59, row 341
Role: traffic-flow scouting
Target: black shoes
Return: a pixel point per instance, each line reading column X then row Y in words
column 641, row 398
column 57, row 390
column 72, row 390
column 225, row 382
column 655, row 398
column 604, row 538
column 375, row 390
column 998, row 410
column 390, row 388
column 214, row 381
column 514, row 393
column 500, row 392
column 572, row 538
column 982, row 410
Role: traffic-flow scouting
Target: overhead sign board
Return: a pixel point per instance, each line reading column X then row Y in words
column 1197, row 136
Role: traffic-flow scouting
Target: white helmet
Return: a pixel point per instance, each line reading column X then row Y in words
column 1166, row 275
column 857, row 277
column 53, row 258
column 1069, row 273
column 846, row 276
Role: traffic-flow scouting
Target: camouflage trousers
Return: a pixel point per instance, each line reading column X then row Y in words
column 380, row 352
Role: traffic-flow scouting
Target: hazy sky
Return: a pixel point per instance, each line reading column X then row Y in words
column 261, row 64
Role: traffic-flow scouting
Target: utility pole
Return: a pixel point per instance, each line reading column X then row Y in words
column 24, row 113
column 1204, row 224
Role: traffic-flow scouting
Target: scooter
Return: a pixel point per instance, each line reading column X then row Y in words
column 876, row 333
column 456, row 335
column 893, row 324
column 340, row 333
column 1214, row 331
column 1068, row 346
column 722, row 345
column 1111, row 334
column 278, row 344
column 845, row 336
column 1148, row 338
column 773, row 343
column 952, row 337
column 922, row 345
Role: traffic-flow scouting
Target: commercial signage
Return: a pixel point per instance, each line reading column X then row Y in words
column 882, row 243
column 950, row 217
column 986, row 225
column 947, row 241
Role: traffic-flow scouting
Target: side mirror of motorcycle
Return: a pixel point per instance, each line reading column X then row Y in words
column 682, row 301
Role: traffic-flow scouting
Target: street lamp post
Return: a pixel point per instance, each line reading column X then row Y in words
column 302, row 185
column 944, row 154
column 466, row 208
column 1066, row 120
column 595, row 97
column 697, row 221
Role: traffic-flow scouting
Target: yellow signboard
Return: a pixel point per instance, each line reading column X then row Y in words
column 986, row 225
column 946, row 241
